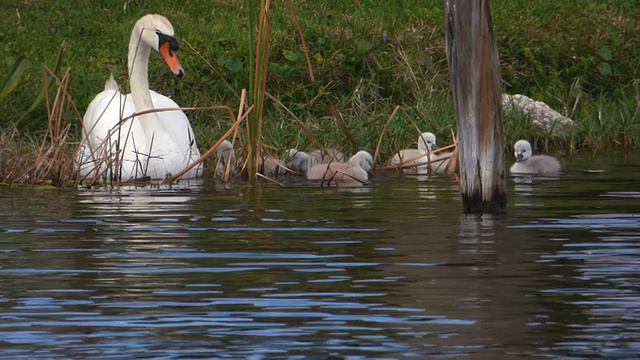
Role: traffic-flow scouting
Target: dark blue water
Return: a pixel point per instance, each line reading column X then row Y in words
column 392, row 270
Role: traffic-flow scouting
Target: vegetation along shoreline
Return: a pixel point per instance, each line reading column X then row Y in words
column 348, row 73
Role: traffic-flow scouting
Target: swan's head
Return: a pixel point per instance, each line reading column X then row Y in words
column 157, row 32
column 364, row 160
column 427, row 142
column 522, row 150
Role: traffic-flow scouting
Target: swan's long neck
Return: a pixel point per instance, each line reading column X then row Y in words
column 138, row 65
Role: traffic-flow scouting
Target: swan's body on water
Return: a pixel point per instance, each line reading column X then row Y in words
column 151, row 145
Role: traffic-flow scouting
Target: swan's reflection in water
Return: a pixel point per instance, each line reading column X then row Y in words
column 136, row 225
column 161, row 200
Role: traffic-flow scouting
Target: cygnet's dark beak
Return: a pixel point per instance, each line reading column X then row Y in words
column 519, row 157
column 434, row 147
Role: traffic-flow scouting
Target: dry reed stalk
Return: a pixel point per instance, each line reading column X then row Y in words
column 304, row 43
column 415, row 125
column 443, row 148
column 302, row 125
column 13, row 157
column 226, row 176
column 349, row 176
column 384, row 129
column 52, row 161
column 344, row 128
column 333, row 174
column 454, row 164
column 409, row 162
column 212, row 68
column 270, row 179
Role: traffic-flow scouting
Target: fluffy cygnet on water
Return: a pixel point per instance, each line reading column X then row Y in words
column 226, row 157
column 302, row 161
column 268, row 166
column 426, row 143
column 355, row 171
column 439, row 163
column 422, row 155
column 271, row 167
column 527, row 163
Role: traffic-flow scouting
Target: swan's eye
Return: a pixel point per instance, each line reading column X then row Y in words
column 163, row 39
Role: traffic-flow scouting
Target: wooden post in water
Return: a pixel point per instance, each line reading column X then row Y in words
column 475, row 79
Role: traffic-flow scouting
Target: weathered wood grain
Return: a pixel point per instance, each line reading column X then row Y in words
column 475, row 79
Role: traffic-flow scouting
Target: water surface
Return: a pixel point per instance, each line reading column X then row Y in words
column 393, row 270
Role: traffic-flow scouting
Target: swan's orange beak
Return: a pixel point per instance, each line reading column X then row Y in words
column 171, row 58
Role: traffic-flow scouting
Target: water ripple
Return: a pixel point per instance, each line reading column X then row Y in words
column 392, row 270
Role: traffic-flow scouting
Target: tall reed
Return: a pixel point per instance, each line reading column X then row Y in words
column 258, row 89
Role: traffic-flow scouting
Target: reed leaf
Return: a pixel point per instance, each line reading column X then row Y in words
column 255, row 118
column 12, row 79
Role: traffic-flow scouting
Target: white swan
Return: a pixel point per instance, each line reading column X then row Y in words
column 354, row 171
column 301, row 161
column 150, row 145
column 526, row 163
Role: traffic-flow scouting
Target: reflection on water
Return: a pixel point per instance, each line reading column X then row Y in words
column 389, row 270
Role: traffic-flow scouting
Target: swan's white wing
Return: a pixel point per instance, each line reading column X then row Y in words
column 176, row 123
column 103, row 131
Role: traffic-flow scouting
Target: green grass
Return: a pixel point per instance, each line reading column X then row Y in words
column 368, row 57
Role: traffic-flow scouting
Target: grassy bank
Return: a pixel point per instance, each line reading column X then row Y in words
column 368, row 57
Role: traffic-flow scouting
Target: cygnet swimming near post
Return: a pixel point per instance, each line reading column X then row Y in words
column 302, row 161
column 527, row 163
column 439, row 162
column 426, row 144
column 422, row 156
column 354, row 171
